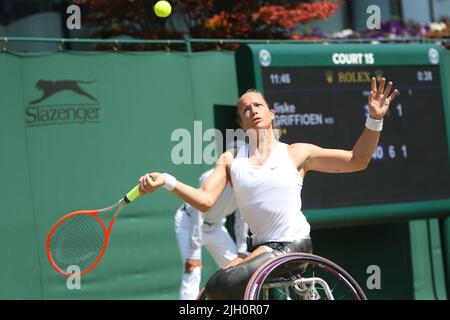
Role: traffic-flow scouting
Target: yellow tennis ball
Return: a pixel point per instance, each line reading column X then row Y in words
column 163, row 9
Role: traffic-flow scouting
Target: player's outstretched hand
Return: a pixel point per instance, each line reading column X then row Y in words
column 380, row 99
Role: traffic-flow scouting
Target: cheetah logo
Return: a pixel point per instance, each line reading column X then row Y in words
column 50, row 88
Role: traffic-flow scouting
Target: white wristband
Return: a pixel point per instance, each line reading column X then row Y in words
column 374, row 124
column 171, row 181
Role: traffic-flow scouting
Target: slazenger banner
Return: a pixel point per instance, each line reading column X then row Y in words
column 80, row 106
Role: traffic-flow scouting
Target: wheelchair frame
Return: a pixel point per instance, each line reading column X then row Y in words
column 286, row 274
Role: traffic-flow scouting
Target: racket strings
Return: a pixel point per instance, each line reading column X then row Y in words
column 77, row 241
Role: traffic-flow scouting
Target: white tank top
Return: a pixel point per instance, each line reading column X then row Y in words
column 269, row 196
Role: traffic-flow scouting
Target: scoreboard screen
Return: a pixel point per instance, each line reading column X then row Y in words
column 320, row 97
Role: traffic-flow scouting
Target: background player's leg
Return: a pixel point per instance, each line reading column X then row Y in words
column 220, row 245
column 190, row 282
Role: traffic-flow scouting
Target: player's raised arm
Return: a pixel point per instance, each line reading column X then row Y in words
column 311, row 157
column 202, row 198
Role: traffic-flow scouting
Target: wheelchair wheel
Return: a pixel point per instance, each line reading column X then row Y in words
column 201, row 295
column 302, row 276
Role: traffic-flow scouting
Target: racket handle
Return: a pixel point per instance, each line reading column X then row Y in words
column 132, row 194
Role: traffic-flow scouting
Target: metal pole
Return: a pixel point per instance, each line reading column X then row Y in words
column 188, row 43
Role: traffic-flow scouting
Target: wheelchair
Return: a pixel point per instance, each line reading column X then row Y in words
column 300, row 276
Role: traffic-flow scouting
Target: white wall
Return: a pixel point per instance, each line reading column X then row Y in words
column 441, row 9
column 360, row 15
column 417, row 10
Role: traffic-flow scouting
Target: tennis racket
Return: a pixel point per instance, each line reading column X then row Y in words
column 80, row 238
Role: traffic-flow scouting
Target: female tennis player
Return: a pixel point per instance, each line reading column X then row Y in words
column 265, row 175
